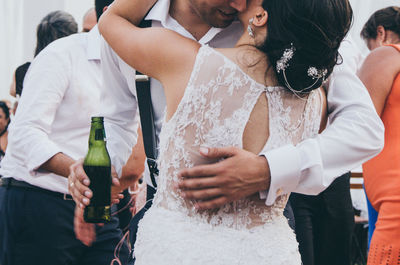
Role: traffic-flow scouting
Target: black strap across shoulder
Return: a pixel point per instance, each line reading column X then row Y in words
column 147, row 118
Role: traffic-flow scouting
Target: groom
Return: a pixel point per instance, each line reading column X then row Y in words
column 355, row 133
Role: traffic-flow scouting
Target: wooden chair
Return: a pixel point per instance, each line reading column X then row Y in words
column 356, row 175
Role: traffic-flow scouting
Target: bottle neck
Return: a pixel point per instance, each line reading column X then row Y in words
column 97, row 135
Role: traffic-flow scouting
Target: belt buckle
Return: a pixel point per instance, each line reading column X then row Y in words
column 65, row 197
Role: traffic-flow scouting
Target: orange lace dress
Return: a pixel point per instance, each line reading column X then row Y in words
column 382, row 184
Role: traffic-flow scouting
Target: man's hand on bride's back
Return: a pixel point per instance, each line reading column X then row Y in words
column 239, row 175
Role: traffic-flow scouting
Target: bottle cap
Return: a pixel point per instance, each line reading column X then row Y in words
column 97, row 119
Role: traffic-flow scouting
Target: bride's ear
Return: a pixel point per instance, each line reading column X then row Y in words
column 260, row 18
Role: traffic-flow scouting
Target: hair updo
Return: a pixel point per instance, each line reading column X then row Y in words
column 389, row 18
column 315, row 28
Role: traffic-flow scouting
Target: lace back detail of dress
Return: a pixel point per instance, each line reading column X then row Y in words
column 214, row 112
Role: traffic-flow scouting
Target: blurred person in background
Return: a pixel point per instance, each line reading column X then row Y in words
column 46, row 137
column 17, row 84
column 380, row 74
column 89, row 20
column 379, row 30
column 382, row 28
column 4, row 122
column 8, row 103
column 55, row 25
column 18, row 79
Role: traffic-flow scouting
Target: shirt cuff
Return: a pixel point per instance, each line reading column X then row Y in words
column 284, row 164
column 41, row 155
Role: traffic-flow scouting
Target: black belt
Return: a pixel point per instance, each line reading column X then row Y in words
column 10, row 182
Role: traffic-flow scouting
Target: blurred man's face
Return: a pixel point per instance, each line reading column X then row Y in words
column 218, row 13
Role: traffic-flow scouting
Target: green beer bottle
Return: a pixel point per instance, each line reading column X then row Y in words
column 97, row 166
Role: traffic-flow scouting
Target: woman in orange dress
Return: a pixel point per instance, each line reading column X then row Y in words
column 381, row 75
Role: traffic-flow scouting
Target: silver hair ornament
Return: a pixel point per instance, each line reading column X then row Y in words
column 283, row 63
column 314, row 73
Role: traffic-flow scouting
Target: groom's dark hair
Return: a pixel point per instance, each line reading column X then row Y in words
column 315, row 28
column 99, row 5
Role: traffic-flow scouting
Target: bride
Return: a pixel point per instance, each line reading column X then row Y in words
column 265, row 90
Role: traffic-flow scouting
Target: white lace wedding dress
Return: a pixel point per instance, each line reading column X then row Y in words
column 214, row 112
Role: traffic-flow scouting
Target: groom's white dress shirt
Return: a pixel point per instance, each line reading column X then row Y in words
column 354, row 135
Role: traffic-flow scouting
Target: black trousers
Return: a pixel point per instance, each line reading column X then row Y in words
column 288, row 213
column 124, row 211
column 324, row 224
column 37, row 228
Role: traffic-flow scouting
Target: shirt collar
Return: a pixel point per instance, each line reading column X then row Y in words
column 160, row 12
column 93, row 44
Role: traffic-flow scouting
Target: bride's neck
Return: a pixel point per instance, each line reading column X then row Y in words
column 254, row 61
column 245, row 39
column 259, row 36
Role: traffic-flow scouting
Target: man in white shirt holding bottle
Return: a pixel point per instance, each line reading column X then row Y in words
column 355, row 133
column 49, row 132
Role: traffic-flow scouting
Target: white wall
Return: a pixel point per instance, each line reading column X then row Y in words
column 18, row 21
column 19, row 18
column 78, row 9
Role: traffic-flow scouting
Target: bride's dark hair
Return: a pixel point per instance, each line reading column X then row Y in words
column 315, row 28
